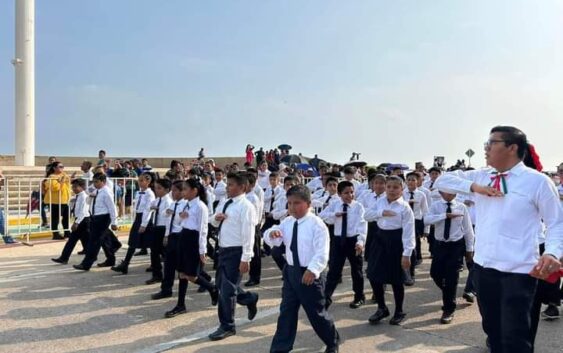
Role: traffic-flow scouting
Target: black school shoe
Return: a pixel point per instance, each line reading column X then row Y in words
column 447, row 318
column 122, row 267
column 221, row 334
column 81, row 267
column 469, row 297
column 253, row 309
column 379, row 315
column 397, row 318
column 59, row 261
column 178, row 310
column 161, row 295
column 357, row 303
column 251, row 283
column 106, row 263
column 551, row 313
column 153, row 280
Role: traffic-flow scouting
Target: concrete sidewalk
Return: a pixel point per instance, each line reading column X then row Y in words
column 45, row 307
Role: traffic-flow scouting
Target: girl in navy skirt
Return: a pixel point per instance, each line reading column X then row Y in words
column 192, row 245
column 392, row 247
column 139, row 237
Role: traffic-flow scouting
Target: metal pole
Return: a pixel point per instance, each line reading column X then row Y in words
column 24, row 64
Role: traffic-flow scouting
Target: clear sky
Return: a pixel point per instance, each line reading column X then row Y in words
column 398, row 81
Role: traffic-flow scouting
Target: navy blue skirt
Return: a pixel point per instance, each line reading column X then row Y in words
column 136, row 239
column 384, row 261
column 188, row 261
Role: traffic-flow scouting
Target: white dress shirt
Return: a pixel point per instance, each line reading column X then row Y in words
column 460, row 228
column 356, row 224
column 404, row 218
column 263, row 179
column 420, row 207
column 270, row 196
column 560, row 190
column 220, row 191
column 210, row 199
column 163, row 204
column 280, row 207
column 322, row 192
column 143, row 205
column 104, row 204
column 324, row 201
column 81, row 208
column 197, row 220
column 238, row 227
column 428, row 195
column 313, row 242
column 469, row 201
column 507, row 227
column 369, row 199
column 315, row 184
column 260, row 193
column 176, row 226
column 251, row 196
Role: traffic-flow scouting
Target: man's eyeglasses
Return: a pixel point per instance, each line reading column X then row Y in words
column 489, row 143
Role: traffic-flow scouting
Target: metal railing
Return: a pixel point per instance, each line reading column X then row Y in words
column 24, row 212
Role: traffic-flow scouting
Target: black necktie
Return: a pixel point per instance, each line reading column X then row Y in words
column 344, row 232
column 94, row 203
column 229, row 201
column 139, row 200
column 272, row 201
column 448, row 223
column 293, row 246
column 327, row 201
column 157, row 211
column 74, row 206
column 412, row 198
column 173, row 216
column 431, row 185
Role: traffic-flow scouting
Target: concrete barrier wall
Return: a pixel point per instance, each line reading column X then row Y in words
column 155, row 162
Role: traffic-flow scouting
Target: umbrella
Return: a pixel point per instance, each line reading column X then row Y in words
column 357, row 164
column 284, row 147
column 303, row 166
column 294, row 159
column 397, row 165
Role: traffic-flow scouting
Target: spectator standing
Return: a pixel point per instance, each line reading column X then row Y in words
column 56, row 191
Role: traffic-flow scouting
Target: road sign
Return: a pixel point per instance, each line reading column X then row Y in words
column 470, row 153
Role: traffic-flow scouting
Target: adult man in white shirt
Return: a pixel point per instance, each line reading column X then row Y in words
column 511, row 200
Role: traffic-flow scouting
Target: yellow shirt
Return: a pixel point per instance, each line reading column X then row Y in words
column 56, row 189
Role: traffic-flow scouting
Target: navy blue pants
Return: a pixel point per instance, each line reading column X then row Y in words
column 228, row 279
column 98, row 227
column 170, row 263
column 82, row 234
column 294, row 295
column 505, row 302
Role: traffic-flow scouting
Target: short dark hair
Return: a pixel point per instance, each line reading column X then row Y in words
column 435, row 169
column 395, row 179
column 413, row 174
column 179, row 184
column 251, row 178
column 289, row 178
column 165, row 183
column 88, row 164
column 252, row 170
column 343, row 185
column 239, row 178
column 300, row 191
column 349, row 170
column 377, row 176
column 274, row 175
column 81, row 183
column 331, row 179
column 513, row 136
column 101, row 151
column 99, row 177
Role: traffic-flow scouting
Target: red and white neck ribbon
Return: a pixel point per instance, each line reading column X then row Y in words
column 498, row 181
